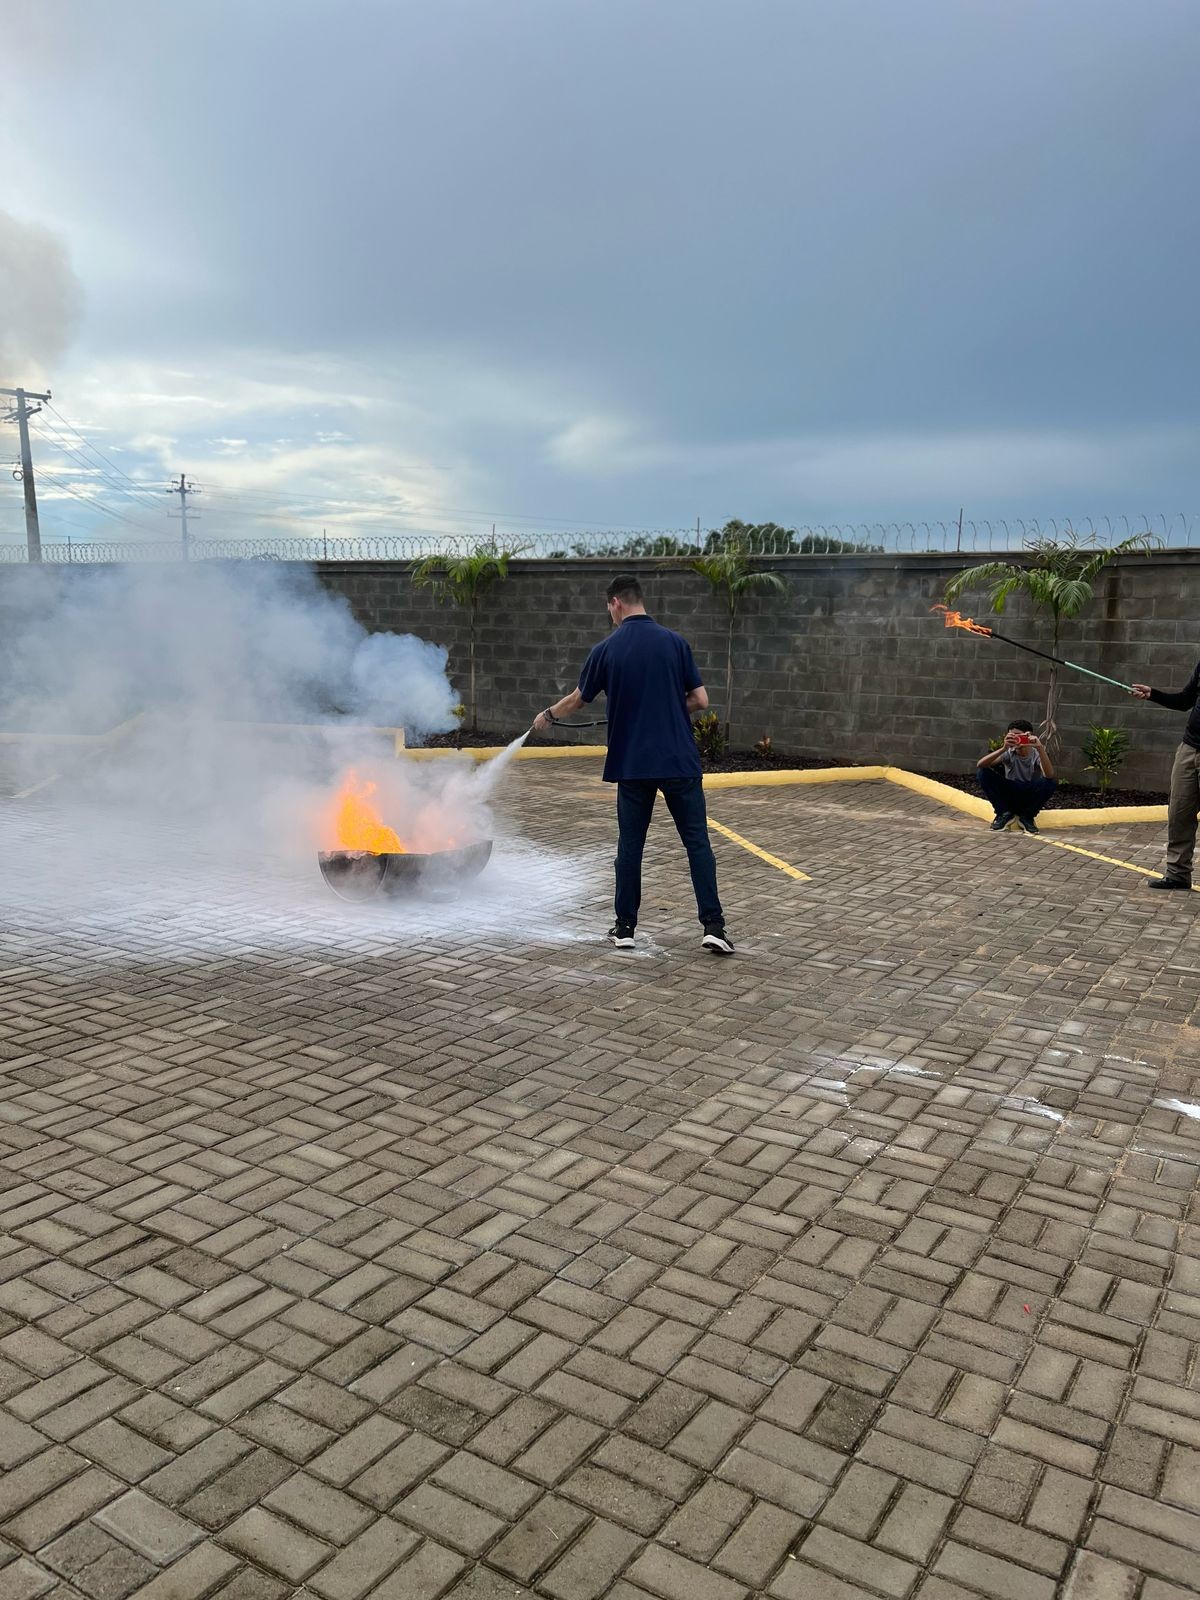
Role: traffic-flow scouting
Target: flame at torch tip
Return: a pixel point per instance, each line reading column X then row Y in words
column 955, row 619
column 357, row 823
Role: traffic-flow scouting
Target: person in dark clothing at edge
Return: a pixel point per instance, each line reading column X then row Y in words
column 649, row 679
column 1183, row 807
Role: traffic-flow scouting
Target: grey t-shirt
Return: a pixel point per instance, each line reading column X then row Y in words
column 1022, row 766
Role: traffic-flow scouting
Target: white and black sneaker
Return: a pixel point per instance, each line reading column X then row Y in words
column 716, row 939
column 621, row 935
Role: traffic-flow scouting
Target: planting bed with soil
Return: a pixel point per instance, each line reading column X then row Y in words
column 1072, row 796
column 1068, row 796
column 485, row 741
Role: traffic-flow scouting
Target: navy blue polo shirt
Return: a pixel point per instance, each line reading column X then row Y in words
column 645, row 673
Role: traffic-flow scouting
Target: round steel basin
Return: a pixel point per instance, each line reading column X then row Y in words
column 360, row 875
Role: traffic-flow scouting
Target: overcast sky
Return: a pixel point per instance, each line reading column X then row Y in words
column 604, row 262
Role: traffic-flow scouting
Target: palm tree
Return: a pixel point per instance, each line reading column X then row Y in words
column 1059, row 578
column 732, row 578
column 462, row 581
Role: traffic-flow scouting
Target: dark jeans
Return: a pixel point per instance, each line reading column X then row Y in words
column 1021, row 799
column 1182, row 813
column 685, row 802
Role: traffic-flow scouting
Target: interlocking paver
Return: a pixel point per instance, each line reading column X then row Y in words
column 23, row 1580
column 101, row 1567
column 365, row 1560
column 149, row 1528
column 275, row 1544
column 539, row 1538
column 592, row 1563
column 466, row 1265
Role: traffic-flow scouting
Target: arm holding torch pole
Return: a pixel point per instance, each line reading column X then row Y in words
column 1063, row 662
column 953, row 620
column 1183, row 700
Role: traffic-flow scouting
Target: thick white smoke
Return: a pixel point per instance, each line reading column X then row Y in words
column 240, row 692
column 231, row 702
column 84, row 648
column 40, row 301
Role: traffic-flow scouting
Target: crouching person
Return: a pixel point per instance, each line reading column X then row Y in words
column 1018, row 778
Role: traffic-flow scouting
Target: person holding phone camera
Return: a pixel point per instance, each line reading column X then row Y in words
column 1018, row 778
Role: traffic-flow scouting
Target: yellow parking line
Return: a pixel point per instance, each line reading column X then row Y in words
column 763, row 855
column 1111, row 861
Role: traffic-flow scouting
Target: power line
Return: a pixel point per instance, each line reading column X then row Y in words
column 96, row 450
column 95, row 504
column 429, row 512
column 311, row 507
column 93, row 472
column 74, row 463
column 70, row 522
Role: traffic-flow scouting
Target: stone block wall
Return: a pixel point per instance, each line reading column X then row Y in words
column 851, row 664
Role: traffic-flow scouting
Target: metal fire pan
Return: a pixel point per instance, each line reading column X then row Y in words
column 359, row 875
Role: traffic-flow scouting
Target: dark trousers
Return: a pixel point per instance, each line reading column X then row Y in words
column 1021, row 799
column 685, row 802
column 1182, row 813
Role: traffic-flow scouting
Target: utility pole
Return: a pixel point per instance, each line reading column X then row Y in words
column 183, row 488
column 20, row 413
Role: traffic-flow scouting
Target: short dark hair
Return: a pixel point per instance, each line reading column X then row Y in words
column 625, row 588
column 1020, row 726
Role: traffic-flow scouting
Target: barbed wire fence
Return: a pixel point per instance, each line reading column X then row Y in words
column 977, row 537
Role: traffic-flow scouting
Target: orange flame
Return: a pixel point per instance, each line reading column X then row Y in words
column 954, row 619
column 357, row 823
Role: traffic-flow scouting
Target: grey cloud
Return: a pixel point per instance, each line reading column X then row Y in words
column 734, row 222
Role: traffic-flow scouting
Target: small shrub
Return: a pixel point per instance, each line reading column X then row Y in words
column 765, row 749
column 709, row 736
column 1105, row 749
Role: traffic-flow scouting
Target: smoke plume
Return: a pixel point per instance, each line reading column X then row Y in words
column 223, row 699
column 173, row 742
column 40, row 301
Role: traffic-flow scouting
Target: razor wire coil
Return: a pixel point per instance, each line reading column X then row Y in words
column 995, row 536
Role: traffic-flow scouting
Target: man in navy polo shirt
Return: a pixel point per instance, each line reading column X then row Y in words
column 651, row 685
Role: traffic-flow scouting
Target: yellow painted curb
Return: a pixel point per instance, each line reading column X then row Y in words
column 52, row 738
column 944, row 793
column 98, row 742
column 487, row 751
column 768, row 780
column 974, row 805
column 1102, row 816
column 84, row 739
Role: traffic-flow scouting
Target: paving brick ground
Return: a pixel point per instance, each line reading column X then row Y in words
column 453, row 1254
